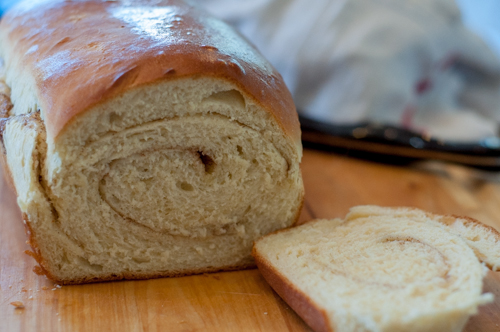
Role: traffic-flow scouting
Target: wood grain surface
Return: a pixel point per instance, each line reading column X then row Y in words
column 242, row 300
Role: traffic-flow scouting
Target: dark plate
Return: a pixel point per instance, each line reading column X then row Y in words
column 391, row 144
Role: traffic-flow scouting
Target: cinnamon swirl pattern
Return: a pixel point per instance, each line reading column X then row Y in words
column 177, row 195
column 382, row 269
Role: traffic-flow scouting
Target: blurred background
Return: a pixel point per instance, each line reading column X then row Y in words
column 480, row 17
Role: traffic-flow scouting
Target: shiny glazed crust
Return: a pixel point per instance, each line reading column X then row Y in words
column 87, row 52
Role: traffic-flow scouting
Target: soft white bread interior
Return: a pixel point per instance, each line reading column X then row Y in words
column 381, row 269
column 172, row 176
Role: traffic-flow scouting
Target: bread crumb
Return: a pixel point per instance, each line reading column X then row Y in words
column 265, row 313
column 30, row 298
column 45, row 287
column 54, row 288
column 58, row 286
column 18, row 304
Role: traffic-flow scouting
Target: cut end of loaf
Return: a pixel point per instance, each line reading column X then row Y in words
column 129, row 193
column 381, row 269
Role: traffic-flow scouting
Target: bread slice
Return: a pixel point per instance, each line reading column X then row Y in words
column 382, row 269
column 143, row 138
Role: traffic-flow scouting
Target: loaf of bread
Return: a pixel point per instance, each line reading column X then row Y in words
column 382, row 269
column 143, row 139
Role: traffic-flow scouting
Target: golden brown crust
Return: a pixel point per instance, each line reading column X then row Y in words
column 82, row 53
column 311, row 313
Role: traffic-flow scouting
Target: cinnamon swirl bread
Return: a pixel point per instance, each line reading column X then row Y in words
column 382, row 269
column 144, row 139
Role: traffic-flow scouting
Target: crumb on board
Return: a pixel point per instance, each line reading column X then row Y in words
column 18, row 304
column 45, row 287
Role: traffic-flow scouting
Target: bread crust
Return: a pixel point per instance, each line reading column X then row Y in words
column 302, row 304
column 76, row 66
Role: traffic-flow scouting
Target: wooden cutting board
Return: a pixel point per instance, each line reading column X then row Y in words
column 242, row 300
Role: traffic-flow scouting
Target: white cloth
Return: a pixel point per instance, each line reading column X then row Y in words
column 409, row 63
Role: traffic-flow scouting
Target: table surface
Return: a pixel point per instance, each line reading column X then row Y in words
column 241, row 300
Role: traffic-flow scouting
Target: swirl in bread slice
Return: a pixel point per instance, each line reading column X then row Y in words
column 382, row 269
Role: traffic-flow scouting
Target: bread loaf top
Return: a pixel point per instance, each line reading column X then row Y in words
column 76, row 54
